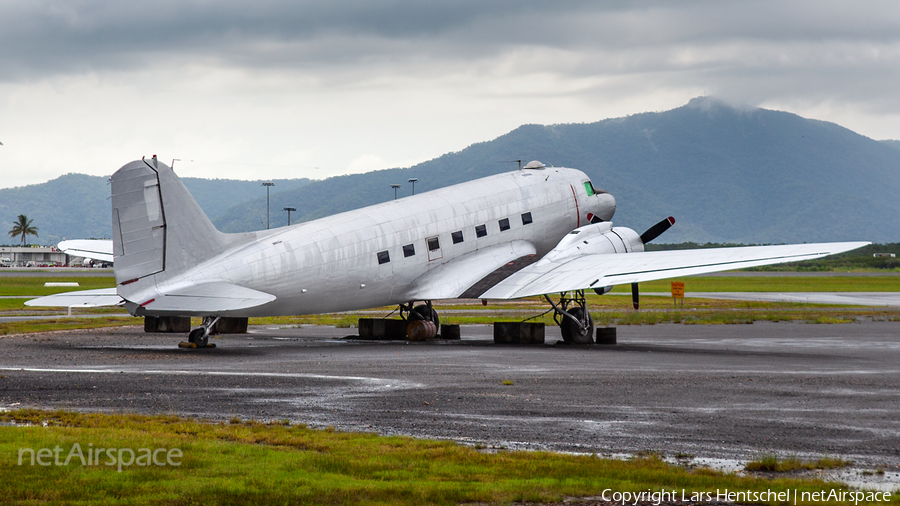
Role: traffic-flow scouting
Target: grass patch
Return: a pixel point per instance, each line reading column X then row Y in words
column 770, row 463
column 64, row 323
column 27, row 285
column 252, row 462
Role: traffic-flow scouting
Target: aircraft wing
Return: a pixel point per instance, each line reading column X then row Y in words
column 582, row 272
column 458, row 277
column 80, row 298
column 96, row 249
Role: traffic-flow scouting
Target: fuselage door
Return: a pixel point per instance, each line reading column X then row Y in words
column 433, row 244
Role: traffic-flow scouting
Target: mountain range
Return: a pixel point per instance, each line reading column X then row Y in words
column 727, row 174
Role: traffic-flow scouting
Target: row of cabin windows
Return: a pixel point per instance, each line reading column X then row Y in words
column 457, row 237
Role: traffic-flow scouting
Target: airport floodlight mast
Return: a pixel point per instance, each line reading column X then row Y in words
column 413, row 181
column 395, row 186
column 267, row 185
column 289, row 209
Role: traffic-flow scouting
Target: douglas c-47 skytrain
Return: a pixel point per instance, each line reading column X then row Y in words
column 535, row 231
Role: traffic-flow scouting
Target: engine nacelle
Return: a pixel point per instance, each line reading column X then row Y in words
column 597, row 238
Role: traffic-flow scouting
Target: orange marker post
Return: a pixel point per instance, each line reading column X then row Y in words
column 678, row 292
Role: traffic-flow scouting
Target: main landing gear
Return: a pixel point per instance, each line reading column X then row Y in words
column 424, row 322
column 574, row 319
column 200, row 336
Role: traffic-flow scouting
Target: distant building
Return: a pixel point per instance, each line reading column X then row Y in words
column 33, row 256
column 889, row 255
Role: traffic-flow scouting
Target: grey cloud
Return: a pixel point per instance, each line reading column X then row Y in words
column 53, row 36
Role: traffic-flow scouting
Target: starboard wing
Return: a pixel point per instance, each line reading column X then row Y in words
column 598, row 270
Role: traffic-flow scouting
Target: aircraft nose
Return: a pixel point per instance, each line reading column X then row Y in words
column 605, row 206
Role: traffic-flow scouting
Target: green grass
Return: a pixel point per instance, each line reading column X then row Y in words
column 26, row 285
column 64, row 323
column 606, row 310
column 772, row 464
column 274, row 463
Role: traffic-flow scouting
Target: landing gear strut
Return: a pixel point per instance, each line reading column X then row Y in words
column 200, row 336
column 575, row 322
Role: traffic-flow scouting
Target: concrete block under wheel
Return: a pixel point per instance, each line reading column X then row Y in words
column 518, row 333
column 605, row 335
column 449, row 332
column 167, row 324
column 382, row 328
column 230, row 326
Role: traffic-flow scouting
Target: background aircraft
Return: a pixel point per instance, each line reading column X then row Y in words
column 536, row 231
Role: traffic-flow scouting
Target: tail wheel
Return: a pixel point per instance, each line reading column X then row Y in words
column 573, row 332
column 198, row 337
column 425, row 312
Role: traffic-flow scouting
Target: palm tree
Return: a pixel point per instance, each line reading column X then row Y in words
column 23, row 227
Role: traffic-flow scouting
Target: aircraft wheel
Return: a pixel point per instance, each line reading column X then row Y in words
column 423, row 312
column 198, row 337
column 573, row 333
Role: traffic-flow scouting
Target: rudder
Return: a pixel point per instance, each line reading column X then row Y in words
column 157, row 225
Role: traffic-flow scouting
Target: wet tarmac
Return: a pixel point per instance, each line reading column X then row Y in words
column 711, row 391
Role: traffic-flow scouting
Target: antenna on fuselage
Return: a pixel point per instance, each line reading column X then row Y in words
column 511, row 161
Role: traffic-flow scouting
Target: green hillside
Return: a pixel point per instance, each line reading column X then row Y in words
column 726, row 174
column 77, row 206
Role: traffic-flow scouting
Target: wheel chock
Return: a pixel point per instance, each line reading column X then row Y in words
column 184, row 344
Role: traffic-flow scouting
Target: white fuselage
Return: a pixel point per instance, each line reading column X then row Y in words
column 381, row 255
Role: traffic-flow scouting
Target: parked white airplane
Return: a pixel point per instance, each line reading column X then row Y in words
column 536, row 231
column 92, row 249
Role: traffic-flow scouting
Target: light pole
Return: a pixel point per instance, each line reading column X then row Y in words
column 267, row 185
column 413, row 181
column 395, row 186
column 289, row 209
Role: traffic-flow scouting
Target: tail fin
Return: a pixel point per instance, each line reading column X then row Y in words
column 157, row 225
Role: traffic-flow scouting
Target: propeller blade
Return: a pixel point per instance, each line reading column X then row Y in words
column 635, row 296
column 654, row 231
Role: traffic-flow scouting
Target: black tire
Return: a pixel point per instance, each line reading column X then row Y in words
column 423, row 312
column 197, row 337
column 572, row 332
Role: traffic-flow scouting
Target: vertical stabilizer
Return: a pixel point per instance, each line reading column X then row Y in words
column 158, row 227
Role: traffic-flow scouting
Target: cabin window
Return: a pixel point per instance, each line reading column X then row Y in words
column 457, row 237
column 433, row 244
column 504, row 224
column 589, row 188
column 526, row 218
column 383, row 257
column 409, row 250
column 480, row 231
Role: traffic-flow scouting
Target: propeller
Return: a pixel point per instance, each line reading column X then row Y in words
column 651, row 233
column 655, row 231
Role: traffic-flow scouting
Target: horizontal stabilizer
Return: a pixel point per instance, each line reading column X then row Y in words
column 597, row 270
column 81, row 298
column 205, row 299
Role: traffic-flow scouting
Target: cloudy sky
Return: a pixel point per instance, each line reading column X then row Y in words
column 293, row 88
